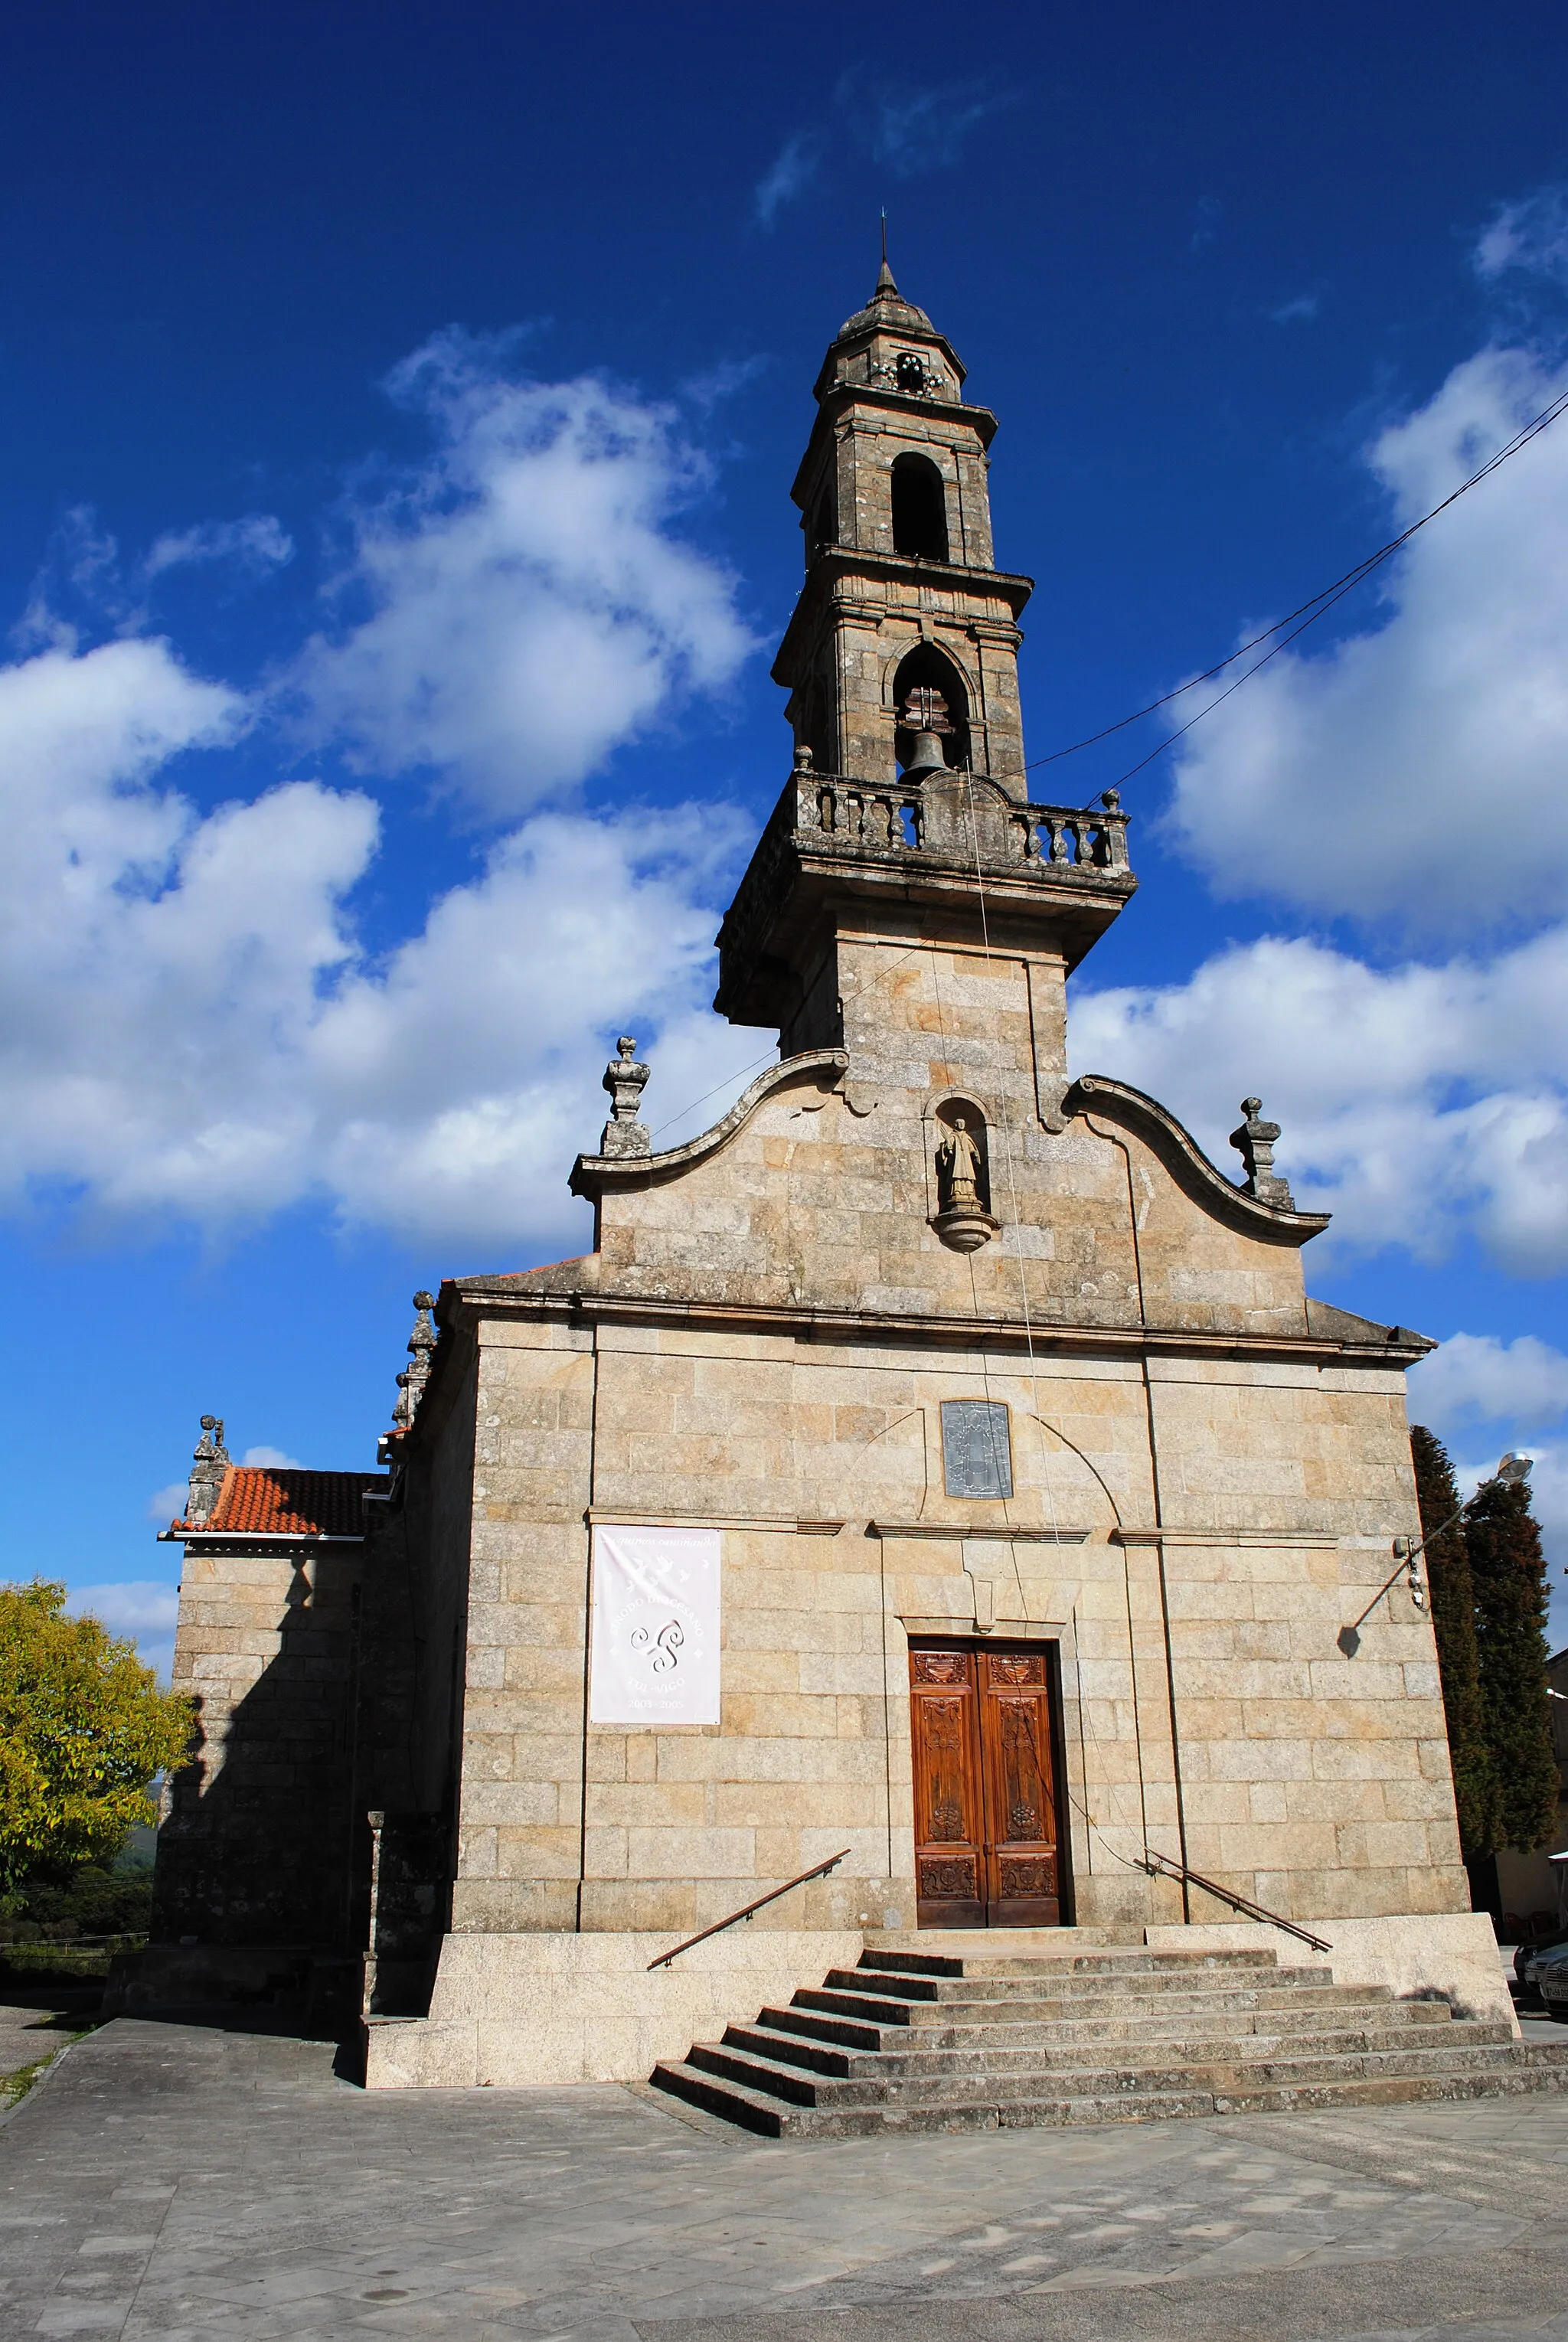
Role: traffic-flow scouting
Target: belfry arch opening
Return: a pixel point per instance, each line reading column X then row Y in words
column 928, row 696
column 919, row 508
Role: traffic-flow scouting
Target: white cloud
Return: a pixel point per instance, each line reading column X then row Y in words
column 789, row 173
column 917, row 128
column 141, row 1609
column 1415, row 770
column 166, row 1505
column 1476, row 1379
column 457, row 1106
column 187, row 1024
column 1530, row 235
column 1418, row 1103
column 521, row 607
column 1300, row 310
column 257, row 542
column 262, row 1456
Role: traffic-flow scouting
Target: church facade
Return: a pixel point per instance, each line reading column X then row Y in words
column 936, row 1478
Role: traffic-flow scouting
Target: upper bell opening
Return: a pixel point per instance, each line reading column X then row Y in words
column 919, row 508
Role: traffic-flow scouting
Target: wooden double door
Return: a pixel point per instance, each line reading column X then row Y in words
column 987, row 1833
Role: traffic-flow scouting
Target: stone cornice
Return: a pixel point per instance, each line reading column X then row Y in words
column 1119, row 1101
column 838, row 561
column 592, row 1174
column 584, row 1302
column 833, row 398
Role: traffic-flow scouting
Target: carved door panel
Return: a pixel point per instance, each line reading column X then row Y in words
column 1022, row 1887
column 949, row 1810
column 985, row 1820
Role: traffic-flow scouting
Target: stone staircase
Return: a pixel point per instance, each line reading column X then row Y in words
column 922, row 2041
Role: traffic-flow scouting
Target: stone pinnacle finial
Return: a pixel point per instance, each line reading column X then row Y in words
column 625, row 1080
column 1254, row 1143
column 411, row 1382
column 209, row 1462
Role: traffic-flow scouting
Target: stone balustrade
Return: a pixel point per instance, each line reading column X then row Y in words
column 945, row 821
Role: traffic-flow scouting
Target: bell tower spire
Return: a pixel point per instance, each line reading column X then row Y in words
column 906, row 832
column 902, row 594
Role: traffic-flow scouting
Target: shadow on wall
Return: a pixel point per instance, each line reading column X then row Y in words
column 267, row 1868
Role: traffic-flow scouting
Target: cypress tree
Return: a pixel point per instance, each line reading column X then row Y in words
column 1508, row 1575
column 1447, row 1572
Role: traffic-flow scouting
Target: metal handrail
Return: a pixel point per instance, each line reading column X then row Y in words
column 718, row 1928
column 1160, row 1866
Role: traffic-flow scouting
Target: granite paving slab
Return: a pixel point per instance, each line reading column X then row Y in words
column 173, row 2182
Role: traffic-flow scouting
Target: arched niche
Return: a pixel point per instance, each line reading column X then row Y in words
column 919, row 508
column 943, row 1119
column 924, row 671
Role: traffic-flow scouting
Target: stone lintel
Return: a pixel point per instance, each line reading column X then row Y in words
column 775, row 1523
column 1000, row 1630
column 971, row 1532
column 1294, row 1539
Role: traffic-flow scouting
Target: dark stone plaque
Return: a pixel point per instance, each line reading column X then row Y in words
column 976, row 1453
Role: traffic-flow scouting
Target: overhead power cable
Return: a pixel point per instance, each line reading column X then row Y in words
column 1305, row 614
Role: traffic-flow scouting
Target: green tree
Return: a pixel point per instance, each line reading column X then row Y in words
column 1447, row 1567
column 1508, row 1574
column 84, row 1728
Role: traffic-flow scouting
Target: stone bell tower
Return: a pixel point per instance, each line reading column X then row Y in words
column 903, row 606
column 905, row 835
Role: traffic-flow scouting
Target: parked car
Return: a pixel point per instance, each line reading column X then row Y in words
column 1524, row 1960
column 1549, row 1974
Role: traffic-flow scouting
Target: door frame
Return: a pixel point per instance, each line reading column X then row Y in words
column 933, row 1639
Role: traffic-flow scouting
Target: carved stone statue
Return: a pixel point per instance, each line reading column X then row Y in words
column 958, row 1168
column 209, row 1462
column 963, row 1221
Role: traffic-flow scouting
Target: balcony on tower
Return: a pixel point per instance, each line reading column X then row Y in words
column 944, row 855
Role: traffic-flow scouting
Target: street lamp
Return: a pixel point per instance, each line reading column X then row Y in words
column 1509, row 1472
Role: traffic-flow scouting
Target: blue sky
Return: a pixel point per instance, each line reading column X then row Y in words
column 397, row 409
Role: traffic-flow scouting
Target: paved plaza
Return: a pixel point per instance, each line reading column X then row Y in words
column 171, row 2181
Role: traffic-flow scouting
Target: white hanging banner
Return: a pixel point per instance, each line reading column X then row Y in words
column 654, row 1654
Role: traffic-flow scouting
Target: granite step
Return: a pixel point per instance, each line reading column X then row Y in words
column 913, row 2042
column 1222, row 2072
column 759, row 2110
column 1353, row 2010
column 1199, row 1972
column 1161, row 2055
column 884, row 2007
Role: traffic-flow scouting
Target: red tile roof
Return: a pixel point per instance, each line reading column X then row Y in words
column 277, row 1500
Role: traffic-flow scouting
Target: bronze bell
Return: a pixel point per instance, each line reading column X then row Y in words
column 925, row 713
column 927, row 757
